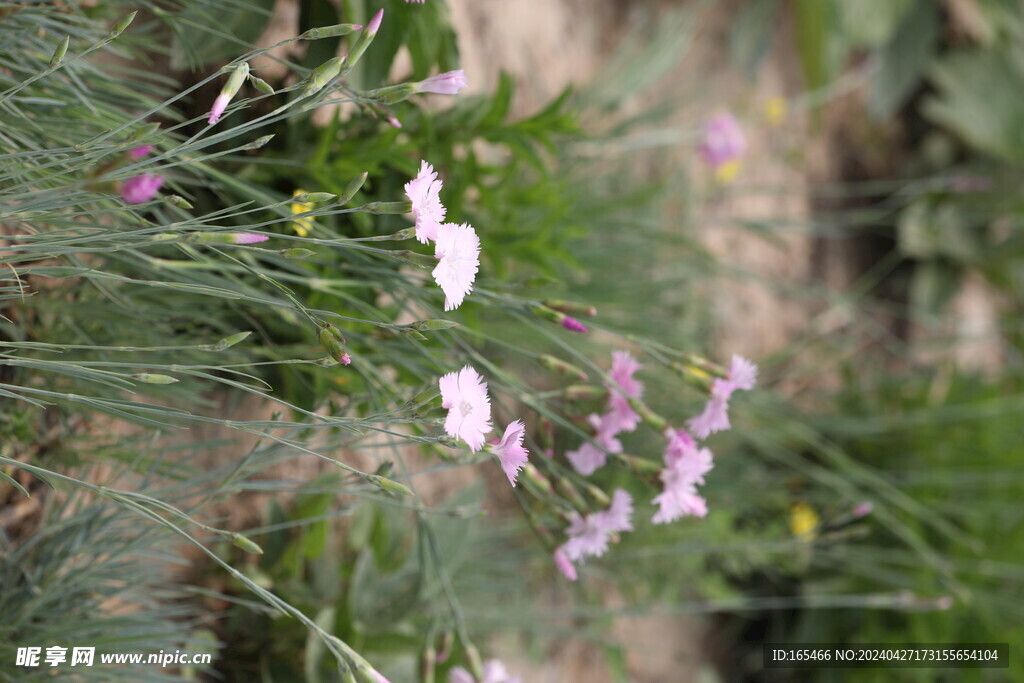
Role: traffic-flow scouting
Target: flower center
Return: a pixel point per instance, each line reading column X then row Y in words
column 465, row 408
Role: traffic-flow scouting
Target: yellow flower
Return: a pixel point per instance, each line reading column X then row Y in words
column 803, row 521
column 775, row 110
column 301, row 226
column 727, row 171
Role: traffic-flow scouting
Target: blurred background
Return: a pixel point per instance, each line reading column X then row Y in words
column 865, row 248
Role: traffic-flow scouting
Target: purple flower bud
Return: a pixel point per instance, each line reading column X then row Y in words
column 572, row 324
column 863, row 509
column 140, row 152
column 345, row 359
column 448, row 83
column 248, row 238
column 217, row 110
column 141, row 188
column 374, row 25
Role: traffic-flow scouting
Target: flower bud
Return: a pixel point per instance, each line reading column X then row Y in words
column 353, row 186
column 178, row 201
column 322, row 75
column 246, row 544
column 261, row 85
column 313, row 197
column 296, row 253
column 584, row 392
column 392, row 94
column 433, row 324
column 154, row 379
column 258, row 142
column 389, row 485
column 448, row 83
column 561, row 367
column 365, row 38
column 62, row 49
column 228, row 342
column 571, row 307
column 333, row 340
column 647, row 415
column 330, row 31
column 230, row 89
column 120, row 26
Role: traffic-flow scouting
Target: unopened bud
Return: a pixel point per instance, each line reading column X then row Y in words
column 62, row 49
column 647, row 415
column 258, row 142
column 322, row 75
column 433, row 324
column 476, row 665
column 120, row 26
column 571, row 307
column 392, row 94
column 178, row 201
column 558, row 317
column 296, row 253
column 353, row 186
column 313, row 197
column 333, row 341
column 154, row 379
column 389, row 485
column 228, row 342
column 246, row 544
column 561, row 367
column 330, row 31
column 365, row 38
column 584, row 392
column 261, row 85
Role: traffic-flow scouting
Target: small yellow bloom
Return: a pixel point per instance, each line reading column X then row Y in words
column 803, row 521
column 301, row 226
column 727, row 171
column 775, row 110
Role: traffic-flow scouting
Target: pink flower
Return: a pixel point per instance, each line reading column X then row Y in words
column 685, row 467
column 458, row 251
column 248, row 238
column 723, row 140
column 588, row 458
column 564, row 564
column 464, row 394
column 448, row 83
column 715, row 417
column 374, row 25
column 141, row 188
column 140, row 152
column 742, row 373
column 573, row 325
column 217, row 110
column 589, row 536
column 510, row 450
column 427, row 210
column 623, row 388
column 494, row 672
column 863, row 509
